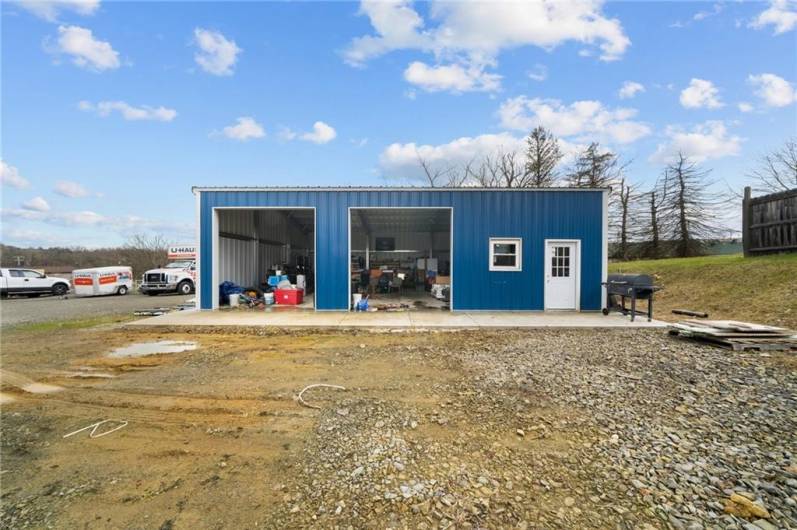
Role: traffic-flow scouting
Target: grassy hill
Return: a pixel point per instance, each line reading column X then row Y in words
column 728, row 287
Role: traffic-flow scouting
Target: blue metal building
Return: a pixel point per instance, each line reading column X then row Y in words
column 504, row 249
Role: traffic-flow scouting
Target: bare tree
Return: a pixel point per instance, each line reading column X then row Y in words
column 595, row 169
column 435, row 176
column 500, row 169
column 542, row 157
column 623, row 216
column 688, row 215
column 649, row 230
column 143, row 252
column 777, row 170
column 513, row 170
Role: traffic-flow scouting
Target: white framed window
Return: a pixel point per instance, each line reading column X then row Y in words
column 506, row 254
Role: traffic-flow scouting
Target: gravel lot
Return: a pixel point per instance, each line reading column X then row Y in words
column 568, row 429
column 46, row 308
column 472, row 429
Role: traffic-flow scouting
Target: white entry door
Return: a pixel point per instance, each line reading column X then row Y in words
column 561, row 275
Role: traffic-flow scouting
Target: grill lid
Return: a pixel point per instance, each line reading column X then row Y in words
column 631, row 280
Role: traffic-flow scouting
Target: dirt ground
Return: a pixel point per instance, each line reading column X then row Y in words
column 535, row 429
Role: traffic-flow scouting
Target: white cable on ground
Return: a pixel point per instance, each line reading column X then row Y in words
column 95, row 426
column 305, row 404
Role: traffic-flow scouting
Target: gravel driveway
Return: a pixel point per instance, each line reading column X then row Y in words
column 554, row 429
column 46, row 308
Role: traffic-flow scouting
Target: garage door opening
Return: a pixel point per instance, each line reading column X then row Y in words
column 260, row 246
column 400, row 258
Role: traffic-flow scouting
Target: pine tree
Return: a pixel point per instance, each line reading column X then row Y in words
column 688, row 215
column 542, row 156
column 594, row 169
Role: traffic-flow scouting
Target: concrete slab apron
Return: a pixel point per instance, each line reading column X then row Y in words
column 407, row 319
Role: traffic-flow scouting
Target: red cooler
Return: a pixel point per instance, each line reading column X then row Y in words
column 288, row 296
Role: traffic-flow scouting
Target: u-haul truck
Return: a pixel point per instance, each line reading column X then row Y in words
column 102, row 280
column 179, row 276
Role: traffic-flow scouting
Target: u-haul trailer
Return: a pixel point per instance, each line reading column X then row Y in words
column 102, row 280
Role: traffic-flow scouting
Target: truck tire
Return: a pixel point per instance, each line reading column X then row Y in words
column 185, row 287
column 60, row 289
column 122, row 290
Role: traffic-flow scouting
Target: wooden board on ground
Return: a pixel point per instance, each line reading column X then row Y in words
column 738, row 336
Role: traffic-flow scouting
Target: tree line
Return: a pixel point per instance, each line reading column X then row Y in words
column 141, row 252
column 679, row 215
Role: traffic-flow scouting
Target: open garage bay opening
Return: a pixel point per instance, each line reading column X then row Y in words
column 260, row 243
column 401, row 258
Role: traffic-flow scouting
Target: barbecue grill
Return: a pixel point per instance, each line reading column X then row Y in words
column 633, row 286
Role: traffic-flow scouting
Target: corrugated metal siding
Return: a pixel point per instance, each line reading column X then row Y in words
column 238, row 261
column 531, row 215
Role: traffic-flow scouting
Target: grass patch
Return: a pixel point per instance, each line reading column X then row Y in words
column 759, row 289
column 69, row 324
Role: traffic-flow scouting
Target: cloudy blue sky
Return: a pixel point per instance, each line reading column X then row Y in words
column 112, row 111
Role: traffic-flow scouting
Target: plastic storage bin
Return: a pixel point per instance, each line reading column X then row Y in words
column 288, row 296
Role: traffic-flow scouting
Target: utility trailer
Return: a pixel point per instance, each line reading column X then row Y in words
column 100, row 281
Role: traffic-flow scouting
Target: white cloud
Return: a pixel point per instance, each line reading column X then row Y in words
column 24, row 237
column 129, row 112
column 401, row 161
column 322, row 133
column 630, row 89
column 17, row 225
column 781, row 14
column 482, row 30
column 84, row 218
column 70, row 189
column 9, row 176
column 703, row 142
column 475, row 33
column 451, row 77
column 700, row 94
column 773, row 90
column 583, row 120
column 37, row 204
column 245, row 128
column 745, row 107
column 538, row 73
column 50, row 10
column 217, row 55
column 86, row 51
column 716, row 9
column 397, row 26
column 702, row 15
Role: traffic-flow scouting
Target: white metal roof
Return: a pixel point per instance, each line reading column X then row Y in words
column 379, row 188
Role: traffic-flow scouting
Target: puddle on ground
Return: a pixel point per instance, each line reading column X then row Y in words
column 142, row 349
column 89, row 375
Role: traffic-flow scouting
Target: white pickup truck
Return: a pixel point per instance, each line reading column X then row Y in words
column 28, row 282
column 179, row 276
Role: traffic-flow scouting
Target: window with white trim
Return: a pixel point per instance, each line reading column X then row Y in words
column 506, row 254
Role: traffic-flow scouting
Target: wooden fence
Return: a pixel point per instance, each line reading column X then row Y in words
column 769, row 223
